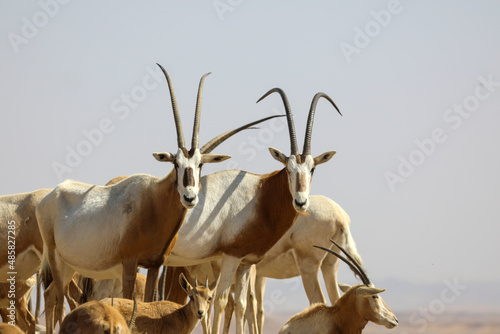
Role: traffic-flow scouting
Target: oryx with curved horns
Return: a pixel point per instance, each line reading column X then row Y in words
column 241, row 215
column 107, row 231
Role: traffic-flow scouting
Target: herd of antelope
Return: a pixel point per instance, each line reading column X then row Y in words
column 231, row 229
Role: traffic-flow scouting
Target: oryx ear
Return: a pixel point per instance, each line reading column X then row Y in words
column 367, row 290
column 344, row 287
column 211, row 158
column 184, row 283
column 278, row 155
column 322, row 158
column 164, row 156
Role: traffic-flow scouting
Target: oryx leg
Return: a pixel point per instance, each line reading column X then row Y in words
column 55, row 292
column 260, row 288
column 228, row 312
column 309, row 269
column 129, row 275
column 151, row 284
column 251, row 312
column 240, row 296
column 228, row 269
column 329, row 269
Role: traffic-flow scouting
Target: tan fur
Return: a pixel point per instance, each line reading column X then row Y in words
column 164, row 316
column 349, row 315
column 94, row 318
column 20, row 208
column 9, row 329
column 23, row 318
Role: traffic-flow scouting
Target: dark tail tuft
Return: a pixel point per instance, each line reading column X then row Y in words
column 46, row 274
column 87, row 289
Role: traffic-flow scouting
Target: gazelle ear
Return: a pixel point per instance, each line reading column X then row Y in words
column 278, row 155
column 322, row 158
column 164, row 156
column 211, row 158
column 344, row 287
column 184, row 283
column 214, row 284
column 367, row 290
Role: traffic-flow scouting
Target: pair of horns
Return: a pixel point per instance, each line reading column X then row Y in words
column 177, row 119
column 310, row 120
column 196, row 281
column 350, row 261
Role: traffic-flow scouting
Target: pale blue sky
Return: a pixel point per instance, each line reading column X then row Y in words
column 76, row 69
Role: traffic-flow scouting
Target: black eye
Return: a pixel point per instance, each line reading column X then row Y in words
column 200, row 165
column 375, row 297
column 312, row 169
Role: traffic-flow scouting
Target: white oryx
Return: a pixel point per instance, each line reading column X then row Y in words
column 293, row 255
column 107, row 231
column 241, row 215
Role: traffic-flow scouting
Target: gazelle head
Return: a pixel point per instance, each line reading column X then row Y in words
column 369, row 305
column 200, row 295
column 300, row 167
column 188, row 163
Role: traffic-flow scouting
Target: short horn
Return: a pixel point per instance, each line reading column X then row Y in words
column 177, row 118
column 195, row 280
column 206, row 282
column 212, row 144
column 291, row 126
column 197, row 114
column 310, row 121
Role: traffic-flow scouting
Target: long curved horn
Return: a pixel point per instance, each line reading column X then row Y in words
column 291, row 126
column 212, row 144
column 351, row 262
column 177, row 118
column 197, row 113
column 310, row 121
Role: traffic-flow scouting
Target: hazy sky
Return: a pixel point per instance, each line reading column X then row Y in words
column 418, row 83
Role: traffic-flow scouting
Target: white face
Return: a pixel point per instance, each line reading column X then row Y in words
column 188, row 169
column 300, row 175
column 299, row 181
column 188, row 177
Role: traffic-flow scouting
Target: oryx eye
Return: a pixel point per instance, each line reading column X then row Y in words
column 375, row 297
column 312, row 169
column 200, row 165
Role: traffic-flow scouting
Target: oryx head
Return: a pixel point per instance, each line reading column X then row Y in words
column 188, row 163
column 300, row 167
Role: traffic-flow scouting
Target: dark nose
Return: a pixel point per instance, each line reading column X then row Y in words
column 189, row 199
column 300, row 205
column 200, row 314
